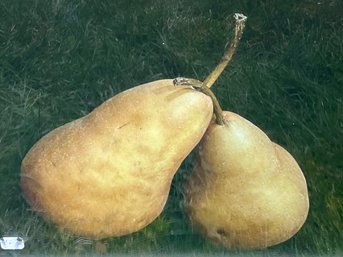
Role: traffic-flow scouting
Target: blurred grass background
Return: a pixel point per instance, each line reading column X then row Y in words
column 60, row 59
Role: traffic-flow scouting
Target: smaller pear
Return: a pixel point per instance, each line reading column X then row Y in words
column 245, row 191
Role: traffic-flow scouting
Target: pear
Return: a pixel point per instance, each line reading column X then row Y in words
column 109, row 173
column 244, row 191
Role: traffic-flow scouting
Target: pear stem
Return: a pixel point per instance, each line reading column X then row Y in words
column 204, row 87
column 239, row 28
column 200, row 86
column 218, row 111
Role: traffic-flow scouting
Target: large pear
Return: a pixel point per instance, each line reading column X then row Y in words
column 245, row 191
column 109, row 172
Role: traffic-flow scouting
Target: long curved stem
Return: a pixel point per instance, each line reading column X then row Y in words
column 204, row 87
column 240, row 24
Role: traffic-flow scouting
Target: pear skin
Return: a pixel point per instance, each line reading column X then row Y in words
column 109, row 173
column 245, row 191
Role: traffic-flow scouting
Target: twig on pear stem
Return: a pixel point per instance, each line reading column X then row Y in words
column 240, row 24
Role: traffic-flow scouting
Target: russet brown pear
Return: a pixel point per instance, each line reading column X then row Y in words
column 245, row 191
column 109, row 172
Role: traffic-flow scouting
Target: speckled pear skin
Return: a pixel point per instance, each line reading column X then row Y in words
column 245, row 191
column 109, row 173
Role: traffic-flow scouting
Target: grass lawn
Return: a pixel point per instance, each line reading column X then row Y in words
column 60, row 59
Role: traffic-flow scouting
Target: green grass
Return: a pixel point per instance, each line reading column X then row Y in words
column 60, row 59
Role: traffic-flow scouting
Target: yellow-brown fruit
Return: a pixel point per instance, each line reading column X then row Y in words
column 109, row 172
column 245, row 191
